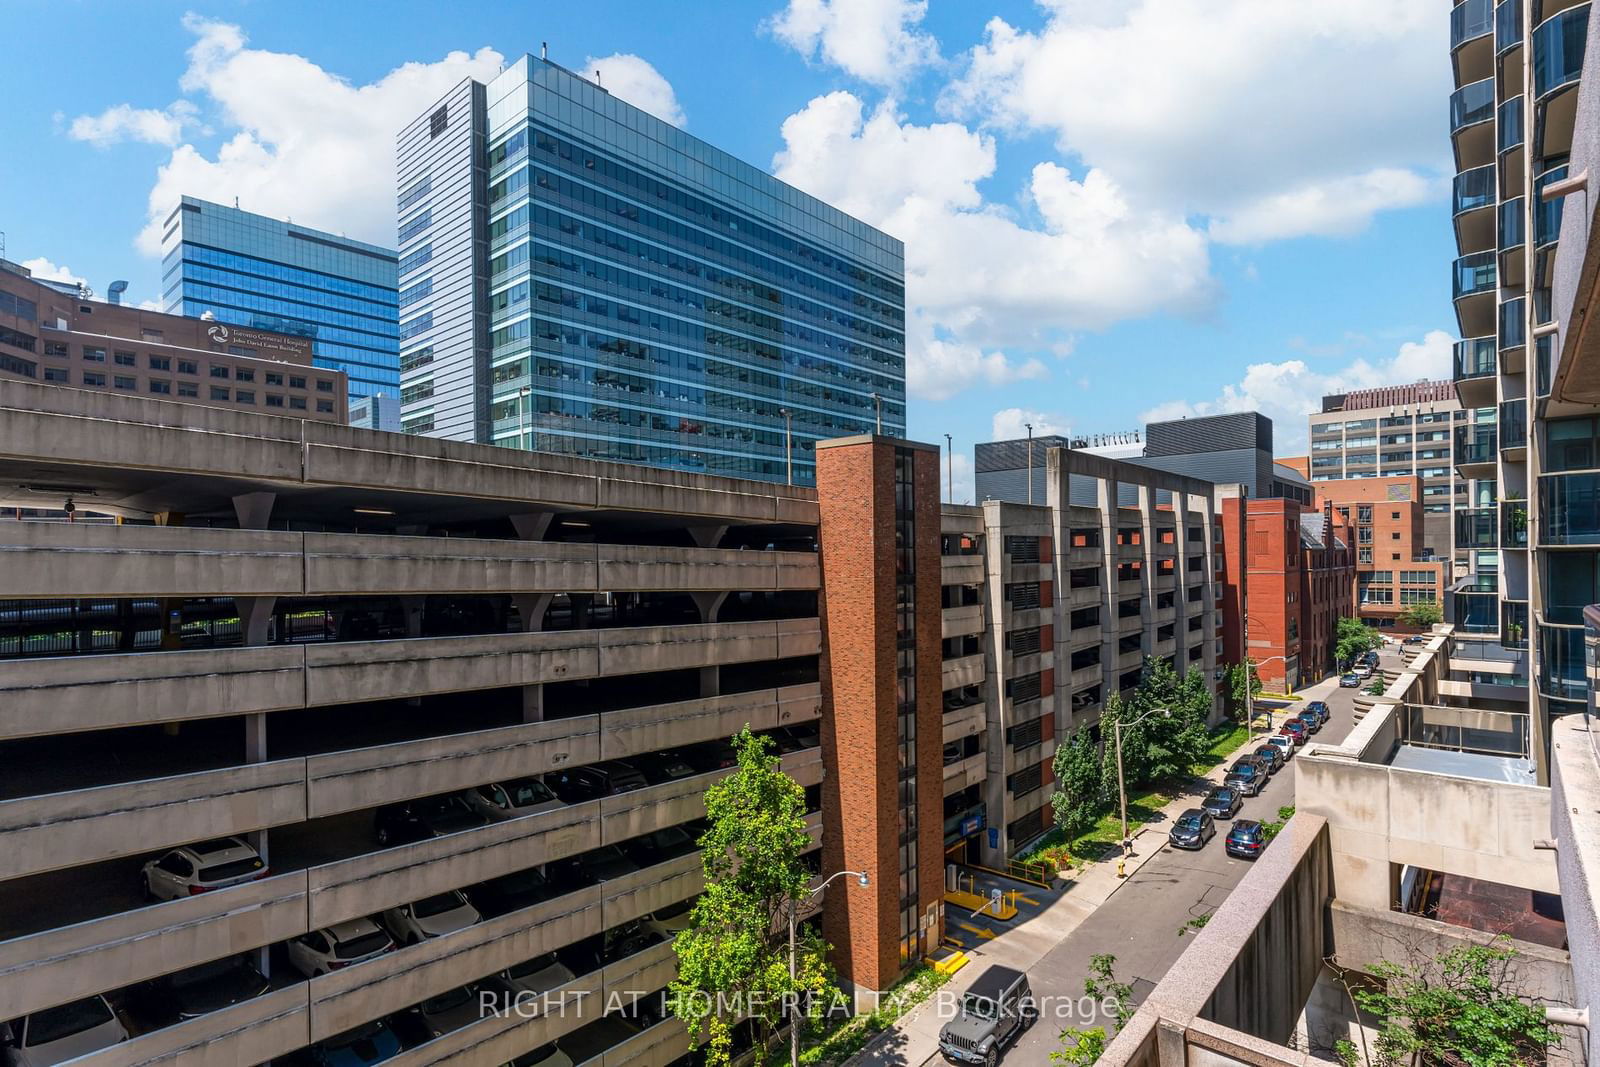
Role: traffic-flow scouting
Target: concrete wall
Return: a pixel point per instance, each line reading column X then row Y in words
column 1575, row 825
column 67, row 693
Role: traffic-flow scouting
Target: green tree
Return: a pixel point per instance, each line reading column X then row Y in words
column 733, row 959
column 1459, row 1008
column 1422, row 614
column 1079, row 799
column 1236, row 682
column 1353, row 637
column 1377, row 686
column 1083, row 1046
column 1176, row 741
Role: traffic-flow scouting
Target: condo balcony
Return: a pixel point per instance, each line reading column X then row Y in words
column 1513, row 524
column 1558, row 47
column 1569, row 509
column 1477, row 604
column 1507, row 25
column 1476, row 450
column 1513, row 431
column 1474, row 371
column 1475, row 528
column 1473, row 198
column 1472, row 40
column 1471, row 124
column 1473, row 289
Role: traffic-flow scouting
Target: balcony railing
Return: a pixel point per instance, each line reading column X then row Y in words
column 1514, row 623
column 1510, row 124
column 1541, row 358
column 1511, row 230
column 1474, row 188
column 1561, row 666
column 1569, row 509
column 1475, row 528
column 1547, row 213
column 1513, row 330
column 1513, row 424
column 1513, row 524
column 1507, row 24
column 1469, row 21
column 1474, row 274
column 1475, row 358
column 1558, row 50
column 1475, row 444
column 1472, row 104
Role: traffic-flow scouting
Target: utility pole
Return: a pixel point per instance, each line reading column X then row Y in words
column 788, row 440
column 1029, row 425
column 877, row 404
column 523, row 401
column 950, row 469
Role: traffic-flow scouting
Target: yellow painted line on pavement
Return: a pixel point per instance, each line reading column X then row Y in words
column 1026, row 900
column 981, row 931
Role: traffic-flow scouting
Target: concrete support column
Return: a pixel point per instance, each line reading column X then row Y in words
column 412, row 607
column 1148, row 572
column 532, row 525
column 709, row 604
column 1110, row 622
column 255, row 751
column 707, row 536
column 1180, row 594
column 255, row 618
column 254, row 510
column 530, row 609
column 710, row 681
column 171, row 607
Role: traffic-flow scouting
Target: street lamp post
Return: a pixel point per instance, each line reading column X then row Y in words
column 1029, row 425
column 794, row 1018
column 877, row 407
column 1122, row 786
column 522, row 402
column 788, row 441
column 950, row 469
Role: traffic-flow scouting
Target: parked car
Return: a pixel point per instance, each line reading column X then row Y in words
column 424, row 818
column 434, row 916
column 201, row 990
column 1253, row 760
column 658, row 767
column 1350, row 681
column 995, row 1010
column 1309, row 719
column 1246, row 839
column 62, row 1033
column 596, row 780
column 1414, row 639
column 371, row 1043
column 511, row 892
column 1192, row 829
column 670, row 920
column 1223, row 802
column 450, row 1010
column 604, row 864
column 193, row 869
column 499, row 801
column 540, row 974
column 338, row 946
column 1269, row 755
column 1296, row 729
column 1321, row 708
column 710, row 756
column 1283, row 743
column 659, row 846
column 1247, row 778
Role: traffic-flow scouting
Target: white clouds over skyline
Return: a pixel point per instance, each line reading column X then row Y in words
column 877, row 41
column 633, row 79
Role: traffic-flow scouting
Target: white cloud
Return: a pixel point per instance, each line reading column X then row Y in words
column 630, row 78
column 306, row 142
column 123, row 122
column 43, row 268
column 1010, row 423
column 877, row 41
column 1230, row 109
column 1289, row 390
column 983, row 276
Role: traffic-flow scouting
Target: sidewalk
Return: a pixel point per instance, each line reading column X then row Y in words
column 914, row 1040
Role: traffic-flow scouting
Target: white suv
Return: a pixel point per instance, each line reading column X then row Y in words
column 62, row 1033
column 193, row 869
column 434, row 916
column 1283, row 744
column 340, row 945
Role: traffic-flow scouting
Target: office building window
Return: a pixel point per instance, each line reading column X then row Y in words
column 297, row 403
column 245, row 374
column 218, row 393
column 296, row 382
column 93, row 377
column 125, row 359
column 188, row 366
column 151, row 335
column 160, row 363
column 189, row 389
column 56, row 348
column 274, row 400
column 325, row 407
column 57, row 374
column 122, row 382
column 244, row 396
column 438, row 121
column 93, row 355
column 274, row 379
column 219, row 370
column 324, row 385
column 159, row 387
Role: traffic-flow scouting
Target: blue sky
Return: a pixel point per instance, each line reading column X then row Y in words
column 1112, row 211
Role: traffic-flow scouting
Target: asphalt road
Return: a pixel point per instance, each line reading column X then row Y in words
column 1140, row 923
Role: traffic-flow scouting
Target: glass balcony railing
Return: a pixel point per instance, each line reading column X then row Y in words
column 1477, row 612
column 1513, row 424
column 1472, row 104
column 1475, row 444
column 1569, row 509
column 1558, row 50
column 1474, row 274
column 1474, row 358
column 1514, row 623
column 1547, row 213
column 1513, row 330
column 1469, row 21
column 1561, row 668
column 1510, row 132
column 1507, row 25
column 1542, row 348
column 1477, row 528
column 1473, row 188
column 1513, row 524
column 1510, row 227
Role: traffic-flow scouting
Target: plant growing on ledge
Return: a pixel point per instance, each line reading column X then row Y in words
column 1376, row 687
column 1423, row 613
column 1459, row 1008
column 733, row 958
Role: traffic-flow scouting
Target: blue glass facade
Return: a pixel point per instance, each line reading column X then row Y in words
column 250, row 270
column 651, row 299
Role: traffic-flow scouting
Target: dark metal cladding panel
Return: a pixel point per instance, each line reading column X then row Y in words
column 1212, row 433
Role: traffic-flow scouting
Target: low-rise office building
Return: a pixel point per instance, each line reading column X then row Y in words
column 338, row 646
column 1394, row 568
column 57, row 338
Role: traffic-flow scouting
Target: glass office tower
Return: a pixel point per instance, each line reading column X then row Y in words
column 251, row 270
column 1517, row 66
column 578, row 276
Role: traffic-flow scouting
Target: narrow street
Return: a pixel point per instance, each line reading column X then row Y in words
column 1139, row 923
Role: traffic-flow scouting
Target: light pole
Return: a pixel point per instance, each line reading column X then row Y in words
column 877, row 407
column 522, row 401
column 794, row 905
column 1122, row 786
column 1029, row 425
column 950, row 469
column 788, row 441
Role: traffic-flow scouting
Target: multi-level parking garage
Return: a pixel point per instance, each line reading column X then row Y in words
column 295, row 635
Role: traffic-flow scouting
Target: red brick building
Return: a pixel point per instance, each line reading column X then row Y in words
column 1391, row 571
column 881, row 664
column 1289, row 577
